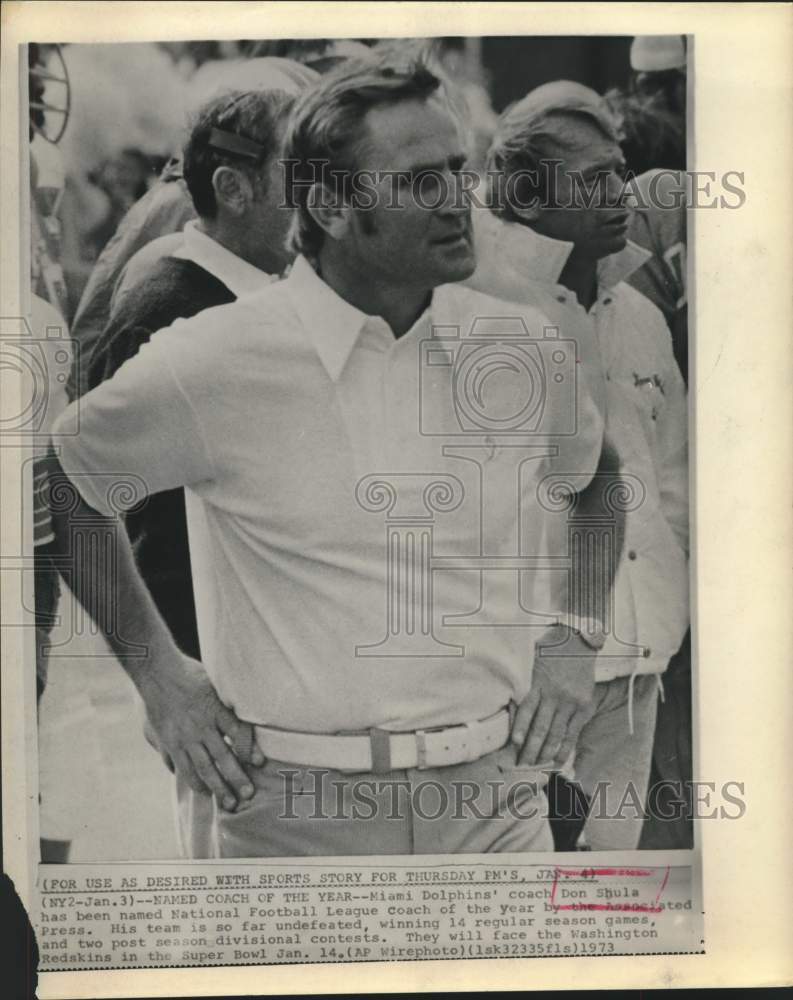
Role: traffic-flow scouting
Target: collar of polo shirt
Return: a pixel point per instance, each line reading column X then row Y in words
column 541, row 258
column 238, row 275
column 333, row 324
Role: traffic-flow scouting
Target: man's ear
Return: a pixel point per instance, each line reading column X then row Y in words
column 527, row 209
column 329, row 211
column 518, row 193
column 528, row 212
column 233, row 190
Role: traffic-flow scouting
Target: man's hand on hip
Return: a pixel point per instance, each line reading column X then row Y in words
column 196, row 734
column 549, row 719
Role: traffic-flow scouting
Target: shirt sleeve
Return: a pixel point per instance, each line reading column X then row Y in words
column 576, row 424
column 138, row 432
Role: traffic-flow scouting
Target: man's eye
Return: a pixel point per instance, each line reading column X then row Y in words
column 426, row 183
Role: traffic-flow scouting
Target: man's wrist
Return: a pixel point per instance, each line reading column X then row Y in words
column 589, row 630
column 161, row 661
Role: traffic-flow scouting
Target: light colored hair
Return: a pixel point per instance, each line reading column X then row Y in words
column 533, row 131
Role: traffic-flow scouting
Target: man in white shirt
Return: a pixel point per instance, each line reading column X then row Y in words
column 167, row 205
column 392, row 660
column 556, row 238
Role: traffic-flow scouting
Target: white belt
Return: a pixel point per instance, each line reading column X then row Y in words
column 380, row 750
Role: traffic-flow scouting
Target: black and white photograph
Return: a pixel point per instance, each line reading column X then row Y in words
column 358, row 382
column 304, row 470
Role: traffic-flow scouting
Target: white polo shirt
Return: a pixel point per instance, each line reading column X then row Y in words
column 646, row 420
column 326, row 467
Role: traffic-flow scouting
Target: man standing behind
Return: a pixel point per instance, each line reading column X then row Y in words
column 236, row 246
column 556, row 238
column 165, row 207
column 295, row 433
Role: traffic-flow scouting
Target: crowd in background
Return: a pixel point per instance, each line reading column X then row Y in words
column 130, row 105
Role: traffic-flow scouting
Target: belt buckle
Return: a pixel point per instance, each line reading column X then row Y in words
column 421, row 749
column 421, row 743
column 470, row 747
column 470, row 743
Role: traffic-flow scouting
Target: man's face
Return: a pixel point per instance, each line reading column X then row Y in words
column 418, row 234
column 587, row 191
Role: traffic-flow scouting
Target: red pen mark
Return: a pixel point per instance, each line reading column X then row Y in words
column 640, row 897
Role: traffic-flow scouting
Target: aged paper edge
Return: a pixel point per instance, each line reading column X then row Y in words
column 741, row 428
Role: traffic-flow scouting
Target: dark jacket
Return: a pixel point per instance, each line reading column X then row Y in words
column 176, row 289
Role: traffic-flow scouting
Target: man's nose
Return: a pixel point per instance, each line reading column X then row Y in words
column 458, row 197
column 618, row 192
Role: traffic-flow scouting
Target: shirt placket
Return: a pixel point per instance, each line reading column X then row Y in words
column 376, row 455
column 600, row 316
column 403, row 443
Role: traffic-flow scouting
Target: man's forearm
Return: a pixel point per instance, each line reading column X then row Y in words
column 195, row 732
column 98, row 563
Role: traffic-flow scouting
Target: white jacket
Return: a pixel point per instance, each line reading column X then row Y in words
column 646, row 420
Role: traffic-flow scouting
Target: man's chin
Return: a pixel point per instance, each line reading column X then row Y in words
column 459, row 268
column 613, row 244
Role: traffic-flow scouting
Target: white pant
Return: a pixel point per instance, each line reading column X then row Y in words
column 195, row 822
